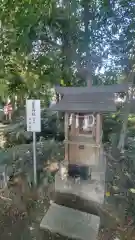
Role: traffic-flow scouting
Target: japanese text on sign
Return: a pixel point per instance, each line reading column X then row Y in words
column 33, row 114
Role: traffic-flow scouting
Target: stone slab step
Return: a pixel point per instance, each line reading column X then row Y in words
column 71, row 223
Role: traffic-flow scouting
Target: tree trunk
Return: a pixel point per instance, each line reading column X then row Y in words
column 126, row 114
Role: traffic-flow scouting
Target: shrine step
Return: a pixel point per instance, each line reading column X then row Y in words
column 71, row 223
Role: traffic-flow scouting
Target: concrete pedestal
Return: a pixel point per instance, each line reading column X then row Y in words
column 91, row 189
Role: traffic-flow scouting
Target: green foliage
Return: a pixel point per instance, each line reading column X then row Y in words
column 131, row 132
column 43, row 42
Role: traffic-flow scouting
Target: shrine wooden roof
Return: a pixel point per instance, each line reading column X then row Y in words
column 86, row 99
column 85, row 103
column 103, row 107
column 80, row 108
column 115, row 88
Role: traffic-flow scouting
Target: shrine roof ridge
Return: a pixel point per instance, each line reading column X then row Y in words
column 86, row 97
column 64, row 106
column 115, row 88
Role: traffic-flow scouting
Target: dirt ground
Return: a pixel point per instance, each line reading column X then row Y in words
column 22, row 223
column 20, row 218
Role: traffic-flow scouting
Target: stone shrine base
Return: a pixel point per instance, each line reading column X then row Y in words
column 91, row 189
column 70, row 223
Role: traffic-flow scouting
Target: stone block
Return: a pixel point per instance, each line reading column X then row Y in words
column 71, row 223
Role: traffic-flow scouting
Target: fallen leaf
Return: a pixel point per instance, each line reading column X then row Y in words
column 132, row 190
column 108, row 194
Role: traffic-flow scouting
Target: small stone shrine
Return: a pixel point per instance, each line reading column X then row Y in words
column 82, row 172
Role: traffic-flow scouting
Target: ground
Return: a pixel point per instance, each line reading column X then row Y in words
column 21, row 217
column 19, row 223
column 21, row 213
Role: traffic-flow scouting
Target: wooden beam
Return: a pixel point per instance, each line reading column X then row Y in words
column 66, row 137
column 73, row 125
column 98, row 128
column 83, row 143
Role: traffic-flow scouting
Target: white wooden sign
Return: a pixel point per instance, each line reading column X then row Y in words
column 33, row 115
